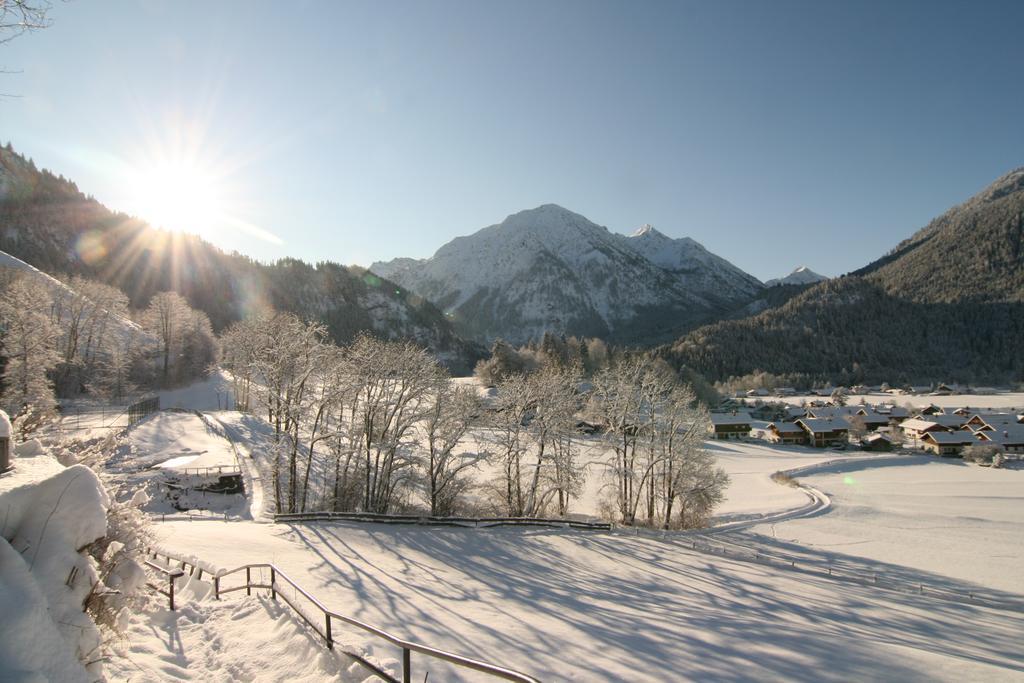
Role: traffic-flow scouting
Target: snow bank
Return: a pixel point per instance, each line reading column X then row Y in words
column 45, row 523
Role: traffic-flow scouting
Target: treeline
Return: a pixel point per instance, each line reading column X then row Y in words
column 850, row 331
column 589, row 355
column 379, row 426
column 66, row 340
column 51, row 225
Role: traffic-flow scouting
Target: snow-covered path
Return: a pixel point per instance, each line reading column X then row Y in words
column 594, row 607
column 228, row 641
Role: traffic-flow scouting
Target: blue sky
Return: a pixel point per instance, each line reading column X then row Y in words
column 775, row 133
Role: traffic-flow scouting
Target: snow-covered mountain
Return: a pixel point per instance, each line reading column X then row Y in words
column 802, row 275
column 551, row 269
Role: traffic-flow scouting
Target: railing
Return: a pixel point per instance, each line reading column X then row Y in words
column 440, row 521
column 225, row 470
column 171, row 575
column 324, row 629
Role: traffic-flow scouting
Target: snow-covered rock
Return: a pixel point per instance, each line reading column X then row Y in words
column 801, row 275
column 551, row 269
column 49, row 514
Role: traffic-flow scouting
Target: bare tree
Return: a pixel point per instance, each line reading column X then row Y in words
column 449, row 414
column 29, row 343
column 21, row 16
column 655, row 429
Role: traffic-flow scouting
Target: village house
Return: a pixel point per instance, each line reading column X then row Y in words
column 947, row 443
column 915, row 428
column 1009, row 440
column 876, row 442
column 730, row 425
column 786, row 433
column 895, row 413
column 990, row 422
column 825, row 432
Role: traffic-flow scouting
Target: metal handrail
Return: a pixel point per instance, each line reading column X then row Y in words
column 171, row 575
column 325, row 632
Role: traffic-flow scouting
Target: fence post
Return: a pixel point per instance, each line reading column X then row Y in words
column 406, row 665
column 216, row 587
column 170, row 592
column 273, row 579
column 248, row 582
column 330, row 640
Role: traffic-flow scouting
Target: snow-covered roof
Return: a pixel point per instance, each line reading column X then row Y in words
column 827, row 424
column 5, row 426
column 730, row 419
column 1009, row 434
column 950, row 438
column 871, row 438
column 786, row 427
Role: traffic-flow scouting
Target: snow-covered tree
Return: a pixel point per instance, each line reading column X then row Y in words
column 29, row 343
column 184, row 336
column 449, row 414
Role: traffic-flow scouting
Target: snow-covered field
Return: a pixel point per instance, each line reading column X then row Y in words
column 941, row 517
column 998, row 401
column 601, row 607
column 571, row 605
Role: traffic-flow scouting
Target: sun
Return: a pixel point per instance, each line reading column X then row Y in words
column 183, row 196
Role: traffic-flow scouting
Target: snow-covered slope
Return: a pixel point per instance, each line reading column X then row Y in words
column 801, row 275
column 124, row 327
column 551, row 269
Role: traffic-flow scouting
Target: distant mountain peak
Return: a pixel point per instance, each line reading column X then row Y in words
column 646, row 230
column 801, row 275
column 550, row 268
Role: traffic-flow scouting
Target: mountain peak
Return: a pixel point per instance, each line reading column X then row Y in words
column 801, row 275
column 646, row 230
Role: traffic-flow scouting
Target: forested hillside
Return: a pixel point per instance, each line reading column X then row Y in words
column 973, row 252
column 46, row 221
column 948, row 304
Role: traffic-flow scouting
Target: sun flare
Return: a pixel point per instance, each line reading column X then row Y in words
column 181, row 196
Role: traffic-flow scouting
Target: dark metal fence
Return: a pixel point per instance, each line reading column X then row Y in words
column 140, row 409
column 270, row 577
column 440, row 521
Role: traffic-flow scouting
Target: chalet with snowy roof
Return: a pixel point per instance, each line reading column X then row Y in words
column 825, row 432
column 876, row 442
column 786, row 433
column 785, row 391
column 947, row 443
column 793, row 412
column 895, row 413
column 1008, row 440
column 982, row 422
column 916, row 427
column 730, row 425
